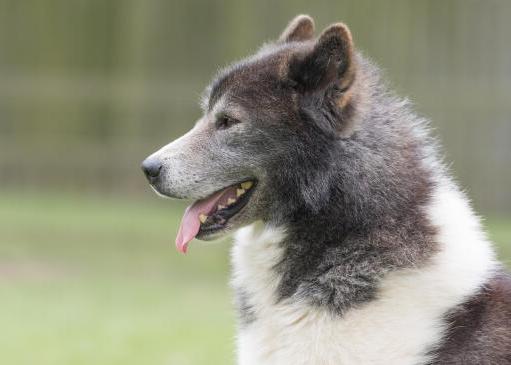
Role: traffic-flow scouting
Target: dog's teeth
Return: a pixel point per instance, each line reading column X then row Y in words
column 247, row 185
column 203, row 217
column 240, row 192
column 231, row 201
column 220, row 207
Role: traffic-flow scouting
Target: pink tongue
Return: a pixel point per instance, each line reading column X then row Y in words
column 190, row 224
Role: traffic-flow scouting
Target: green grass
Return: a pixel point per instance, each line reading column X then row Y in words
column 90, row 280
column 85, row 280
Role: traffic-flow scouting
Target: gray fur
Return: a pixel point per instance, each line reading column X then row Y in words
column 246, row 313
column 353, row 207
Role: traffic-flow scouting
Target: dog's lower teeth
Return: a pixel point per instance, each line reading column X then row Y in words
column 240, row 192
column 231, row 201
column 220, row 207
column 203, row 218
column 247, row 185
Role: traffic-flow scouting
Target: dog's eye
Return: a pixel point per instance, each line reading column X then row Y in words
column 224, row 122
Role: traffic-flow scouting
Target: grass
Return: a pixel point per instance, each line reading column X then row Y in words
column 85, row 280
column 91, row 280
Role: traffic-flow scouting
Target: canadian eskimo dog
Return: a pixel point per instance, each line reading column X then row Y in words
column 353, row 244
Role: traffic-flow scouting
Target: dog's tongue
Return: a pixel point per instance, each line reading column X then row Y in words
column 190, row 224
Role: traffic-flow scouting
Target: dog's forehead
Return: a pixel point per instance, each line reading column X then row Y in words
column 261, row 74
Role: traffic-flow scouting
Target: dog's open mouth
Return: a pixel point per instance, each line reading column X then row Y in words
column 209, row 215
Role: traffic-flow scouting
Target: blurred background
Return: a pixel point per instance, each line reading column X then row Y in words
column 88, row 88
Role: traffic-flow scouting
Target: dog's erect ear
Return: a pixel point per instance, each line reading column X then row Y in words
column 329, row 61
column 301, row 28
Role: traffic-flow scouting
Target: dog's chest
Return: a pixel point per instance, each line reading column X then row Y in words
column 396, row 330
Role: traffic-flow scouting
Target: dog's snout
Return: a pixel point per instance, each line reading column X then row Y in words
column 151, row 167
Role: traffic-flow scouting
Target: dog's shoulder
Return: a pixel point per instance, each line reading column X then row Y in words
column 479, row 330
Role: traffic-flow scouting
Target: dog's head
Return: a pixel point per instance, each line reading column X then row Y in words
column 264, row 139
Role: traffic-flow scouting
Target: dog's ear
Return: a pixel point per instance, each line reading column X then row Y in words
column 329, row 61
column 301, row 28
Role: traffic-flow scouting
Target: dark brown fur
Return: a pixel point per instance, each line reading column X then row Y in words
column 479, row 331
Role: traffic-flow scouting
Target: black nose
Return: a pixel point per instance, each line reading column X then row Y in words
column 151, row 167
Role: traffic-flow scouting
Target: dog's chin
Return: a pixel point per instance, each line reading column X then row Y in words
column 215, row 235
column 223, row 232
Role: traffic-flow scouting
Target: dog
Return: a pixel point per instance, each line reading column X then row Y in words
column 353, row 245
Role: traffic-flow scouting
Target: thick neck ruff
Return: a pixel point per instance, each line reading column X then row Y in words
column 399, row 326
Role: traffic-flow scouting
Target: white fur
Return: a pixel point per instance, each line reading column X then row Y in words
column 397, row 328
